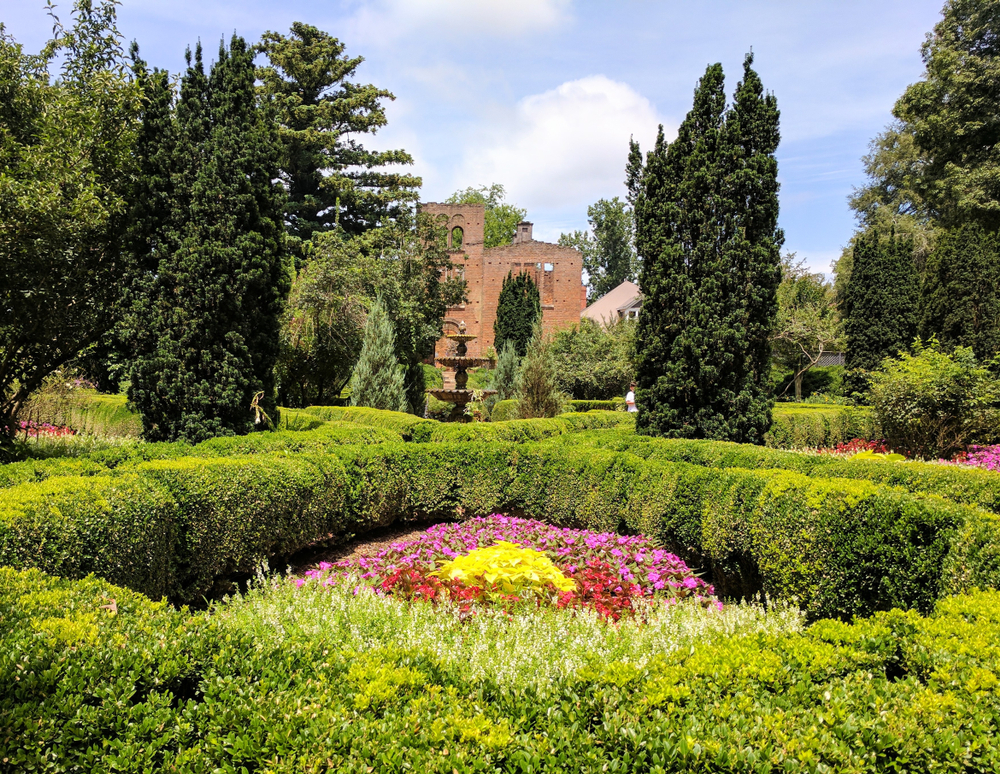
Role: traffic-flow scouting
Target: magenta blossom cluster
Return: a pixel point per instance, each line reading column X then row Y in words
column 32, row 429
column 987, row 457
column 634, row 559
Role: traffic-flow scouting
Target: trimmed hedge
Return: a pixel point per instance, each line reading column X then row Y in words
column 98, row 678
column 171, row 527
column 969, row 486
column 394, row 421
column 840, row 547
column 93, row 413
column 505, row 410
column 615, row 404
column 522, row 430
column 797, row 426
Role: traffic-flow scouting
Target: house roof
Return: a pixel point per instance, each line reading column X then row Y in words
column 605, row 309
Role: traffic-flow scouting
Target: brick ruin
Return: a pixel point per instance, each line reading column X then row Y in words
column 557, row 270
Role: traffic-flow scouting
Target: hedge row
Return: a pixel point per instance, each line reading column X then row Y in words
column 615, row 404
column 969, row 486
column 100, row 679
column 797, row 426
column 171, row 527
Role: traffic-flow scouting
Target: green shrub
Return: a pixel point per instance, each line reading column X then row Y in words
column 615, row 404
column 505, row 410
column 933, row 404
column 396, row 421
column 98, row 678
column 38, row 470
column 797, row 425
column 93, row 413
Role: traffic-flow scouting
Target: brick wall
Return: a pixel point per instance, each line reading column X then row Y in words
column 558, row 272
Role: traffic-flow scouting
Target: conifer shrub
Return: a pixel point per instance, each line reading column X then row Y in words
column 538, row 394
column 377, row 381
column 519, row 307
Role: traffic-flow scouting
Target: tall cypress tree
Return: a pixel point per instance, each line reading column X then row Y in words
column 677, row 236
column 208, row 338
column 752, row 254
column 960, row 298
column 519, row 306
column 880, row 305
column 706, row 231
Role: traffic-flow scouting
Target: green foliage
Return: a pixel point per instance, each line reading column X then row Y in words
column 205, row 327
column 377, row 381
column 799, row 426
column 594, row 362
column 505, row 410
column 505, row 378
column 706, row 231
column 331, row 179
column 608, row 248
column 960, row 300
column 538, row 393
column 808, row 322
column 881, row 305
column 933, row 404
column 951, row 114
column 501, row 218
column 66, row 164
column 615, row 404
column 820, row 384
column 519, row 307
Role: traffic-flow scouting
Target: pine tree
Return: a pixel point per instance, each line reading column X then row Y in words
column 519, row 306
column 206, row 331
column 377, row 381
column 960, row 298
column 538, row 392
column 880, row 305
column 332, row 180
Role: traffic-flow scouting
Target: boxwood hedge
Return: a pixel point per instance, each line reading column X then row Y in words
column 797, row 426
column 97, row 678
column 841, row 547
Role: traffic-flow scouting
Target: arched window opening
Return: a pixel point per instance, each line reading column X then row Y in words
column 456, row 238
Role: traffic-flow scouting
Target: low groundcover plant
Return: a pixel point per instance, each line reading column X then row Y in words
column 508, row 560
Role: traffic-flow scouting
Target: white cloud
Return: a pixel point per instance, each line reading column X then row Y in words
column 563, row 147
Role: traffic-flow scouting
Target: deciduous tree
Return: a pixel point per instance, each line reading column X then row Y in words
column 608, row 249
column 501, row 217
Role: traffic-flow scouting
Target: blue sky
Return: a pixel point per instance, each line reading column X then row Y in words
column 542, row 95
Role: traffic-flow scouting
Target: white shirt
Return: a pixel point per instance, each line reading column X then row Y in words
column 630, row 401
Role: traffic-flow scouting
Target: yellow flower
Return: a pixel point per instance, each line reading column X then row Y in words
column 512, row 568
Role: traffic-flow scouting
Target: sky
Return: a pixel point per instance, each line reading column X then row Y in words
column 543, row 95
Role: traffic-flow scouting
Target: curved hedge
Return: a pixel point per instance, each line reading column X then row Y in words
column 966, row 485
column 97, row 678
column 840, row 547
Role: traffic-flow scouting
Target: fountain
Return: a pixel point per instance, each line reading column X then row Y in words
column 460, row 396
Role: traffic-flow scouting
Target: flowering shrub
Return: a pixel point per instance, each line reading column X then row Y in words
column 32, row 429
column 513, row 569
column 987, row 457
column 612, row 574
column 855, row 446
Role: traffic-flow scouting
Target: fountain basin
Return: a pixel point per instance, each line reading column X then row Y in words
column 459, row 361
column 458, row 397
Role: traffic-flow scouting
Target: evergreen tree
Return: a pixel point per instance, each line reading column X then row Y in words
column 538, row 392
column 505, row 376
column 880, row 305
column 633, row 173
column 707, row 236
column 676, row 236
column 331, row 179
column 206, row 325
column 377, row 381
column 960, row 298
column 519, row 307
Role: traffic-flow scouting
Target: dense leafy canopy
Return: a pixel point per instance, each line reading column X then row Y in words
column 960, row 298
column 66, row 155
column 609, row 256
column 808, row 322
column 501, row 217
column 593, row 362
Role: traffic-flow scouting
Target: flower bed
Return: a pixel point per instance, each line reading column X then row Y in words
column 506, row 560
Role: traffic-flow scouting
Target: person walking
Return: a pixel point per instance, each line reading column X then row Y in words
column 630, row 399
